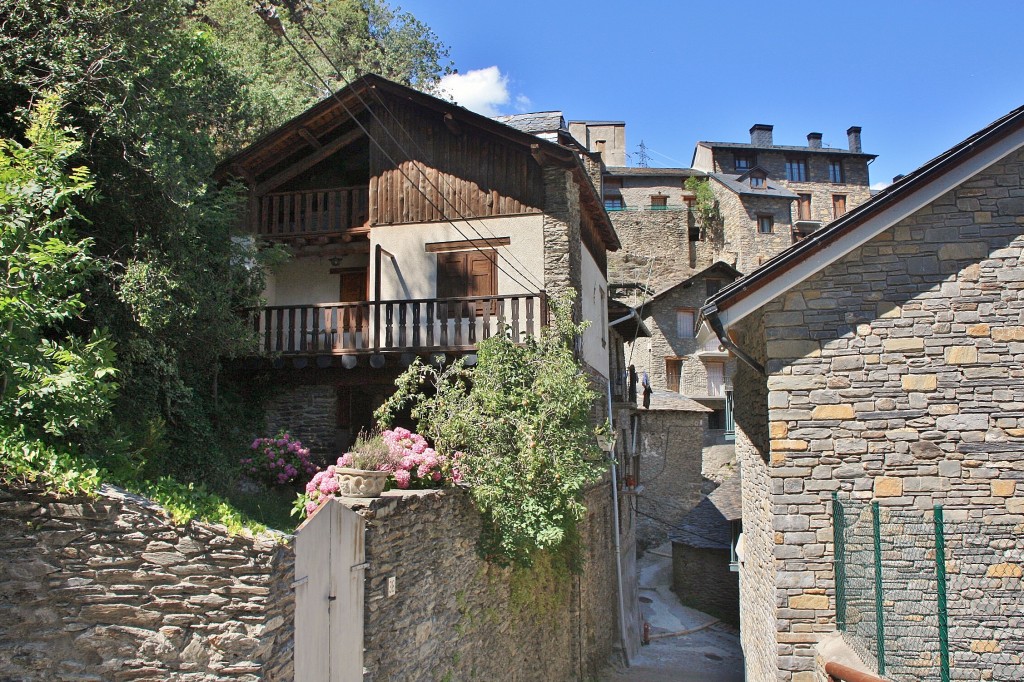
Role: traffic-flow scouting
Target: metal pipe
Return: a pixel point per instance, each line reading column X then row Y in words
column 844, row 673
column 710, row 314
column 618, row 550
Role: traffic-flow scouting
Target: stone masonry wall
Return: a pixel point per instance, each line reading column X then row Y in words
column 670, row 471
column 744, row 247
column 757, row 554
column 896, row 374
column 308, row 412
column 563, row 264
column 109, row 589
column 701, row 578
column 455, row 616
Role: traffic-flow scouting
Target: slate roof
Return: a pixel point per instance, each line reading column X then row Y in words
column 716, row 267
column 669, row 401
column 786, row 148
column 630, row 328
column 737, row 184
column 656, row 172
column 536, row 122
column 707, row 526
column 704, row 527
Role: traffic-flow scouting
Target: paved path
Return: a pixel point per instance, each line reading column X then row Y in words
column 711, row 653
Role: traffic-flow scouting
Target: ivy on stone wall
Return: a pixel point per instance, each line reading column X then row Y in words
column 522, row 418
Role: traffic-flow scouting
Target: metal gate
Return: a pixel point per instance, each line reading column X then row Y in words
column 329, row 568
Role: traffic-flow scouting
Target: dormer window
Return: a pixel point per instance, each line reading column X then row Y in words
column 757, row 180
column 743, row 162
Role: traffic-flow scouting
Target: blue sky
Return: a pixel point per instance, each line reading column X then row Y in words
column 916, row 76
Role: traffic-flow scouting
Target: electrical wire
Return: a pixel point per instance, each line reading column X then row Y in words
column 417, row 165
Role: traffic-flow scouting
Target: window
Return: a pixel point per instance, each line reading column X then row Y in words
column 466, row 273
column 757, row 180
column 614, row 204
column 835, row 171
column 743, row 162
column 838, row 205
column 684, row 323
column 716, row 379
column 796, row 170
column 716, row 420
column 803, row 207
column 673, row 368
column 765, row 224
column 353, row 285
column 659, row 202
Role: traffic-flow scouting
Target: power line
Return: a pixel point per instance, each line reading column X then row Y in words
column 269, row 15
column 415, row 144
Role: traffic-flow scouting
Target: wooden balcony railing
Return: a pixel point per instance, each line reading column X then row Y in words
column 444, row 324
column 312, row 212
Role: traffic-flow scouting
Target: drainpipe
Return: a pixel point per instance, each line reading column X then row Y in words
column 710, row 314
column 618, row 550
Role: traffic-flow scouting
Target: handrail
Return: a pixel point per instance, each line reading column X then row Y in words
column 838, row 672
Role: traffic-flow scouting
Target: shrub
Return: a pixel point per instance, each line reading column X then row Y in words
column 278, row 461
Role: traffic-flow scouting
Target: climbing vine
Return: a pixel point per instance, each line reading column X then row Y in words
column 522, row 418
column 709, row 218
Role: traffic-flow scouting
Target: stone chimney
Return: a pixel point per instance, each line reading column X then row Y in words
column 761, row 135
column 814, row 140
column 853, row 134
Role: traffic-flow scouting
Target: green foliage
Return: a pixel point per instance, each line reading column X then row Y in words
column 358, row 36
column 26, row 459
column 50, row 380
column 522, row 418
column 706, row 206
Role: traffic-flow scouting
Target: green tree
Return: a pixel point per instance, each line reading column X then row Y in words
column 522, row 418
column 51, row 380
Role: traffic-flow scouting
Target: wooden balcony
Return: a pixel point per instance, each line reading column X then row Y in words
column 312, row 213
column 416, row 325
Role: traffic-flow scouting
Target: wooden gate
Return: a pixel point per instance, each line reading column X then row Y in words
column 329, row 568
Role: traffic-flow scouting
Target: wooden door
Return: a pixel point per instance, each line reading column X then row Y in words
column 838, row 205
column 804, row 207
column 354, row 285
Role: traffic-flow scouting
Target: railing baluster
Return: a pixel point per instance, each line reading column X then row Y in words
column 350, row 322
column 275, row 215
column 307, row 222
column 331, row 211
column 280, row 330
column 515, row 320
column 471, row 322
column 529, row 316
column 315, row 334
column 430, row 323
column 291, row 329
column 459, row 316
column 416, row 324
column 303, row 315
column 265, row 215
column 267, row 324
column 488, row 304
column 501, row 316
column 442, row 316
column 389, row 316
column 401, row 325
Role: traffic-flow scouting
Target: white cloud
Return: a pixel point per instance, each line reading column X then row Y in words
column 523, row 103
column 878, row 186
column 484, row 91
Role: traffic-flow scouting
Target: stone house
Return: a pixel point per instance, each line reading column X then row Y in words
column 882, row 360
column 416, row 228
column 772, row 195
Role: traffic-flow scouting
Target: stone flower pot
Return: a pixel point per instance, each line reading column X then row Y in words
column 360, row 482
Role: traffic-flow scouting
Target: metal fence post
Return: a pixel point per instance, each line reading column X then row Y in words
column 879, row 623
column 940, row 578
column 839, row 565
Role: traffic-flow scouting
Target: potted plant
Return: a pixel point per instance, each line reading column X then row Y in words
column 364, row 470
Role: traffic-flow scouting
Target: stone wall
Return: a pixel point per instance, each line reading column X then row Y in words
column 563, row 264
column 670, row 471
column 109, row 589
column 743, row 246
column 757, row 553
column 661, row 236
column 308, row 412
column 896, row 374
column 701, row 578
column 455, row 616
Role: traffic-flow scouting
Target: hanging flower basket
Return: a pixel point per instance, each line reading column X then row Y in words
column 360, row 482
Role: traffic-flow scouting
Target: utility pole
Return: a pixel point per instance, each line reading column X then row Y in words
column 643, row 159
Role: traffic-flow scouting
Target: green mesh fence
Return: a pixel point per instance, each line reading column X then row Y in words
column 927, row 595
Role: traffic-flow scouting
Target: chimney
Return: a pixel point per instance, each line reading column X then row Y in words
column 761, row 135
column 853, row 134
column 814, row 140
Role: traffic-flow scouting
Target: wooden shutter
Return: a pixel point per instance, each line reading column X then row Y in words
column 838, row 205
column 684, row 324
column 673, row 367
column 466, row 273
column 804, row 207
column 716, row 378
column 353, row 286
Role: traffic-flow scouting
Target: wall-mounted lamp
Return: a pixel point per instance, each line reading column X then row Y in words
column 335, row 261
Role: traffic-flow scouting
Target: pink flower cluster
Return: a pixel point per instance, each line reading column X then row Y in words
column 278, row 461
column 416, row 464
column 320, row 488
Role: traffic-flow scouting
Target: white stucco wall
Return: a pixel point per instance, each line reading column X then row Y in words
column 413, row 272
column 594, row 300
column 307, row 279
